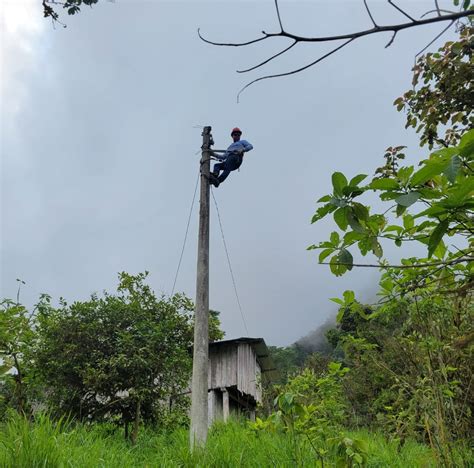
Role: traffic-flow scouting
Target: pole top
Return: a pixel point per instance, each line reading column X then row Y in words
column 207, row 130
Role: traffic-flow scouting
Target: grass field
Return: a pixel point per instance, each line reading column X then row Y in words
column 63, row 444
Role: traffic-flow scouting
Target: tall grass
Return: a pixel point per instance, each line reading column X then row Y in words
column 63, row 444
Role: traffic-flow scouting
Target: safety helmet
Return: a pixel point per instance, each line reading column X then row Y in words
column 236, row 130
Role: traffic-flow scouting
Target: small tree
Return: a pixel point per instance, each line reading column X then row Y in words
column 119, row 357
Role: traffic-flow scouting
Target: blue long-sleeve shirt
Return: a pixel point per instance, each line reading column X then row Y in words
column 236, row 146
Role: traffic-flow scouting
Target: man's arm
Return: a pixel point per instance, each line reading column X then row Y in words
column 247, row 146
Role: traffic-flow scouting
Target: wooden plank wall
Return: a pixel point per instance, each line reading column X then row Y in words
column 246, row 370
column 223, row 367
column 235, row 366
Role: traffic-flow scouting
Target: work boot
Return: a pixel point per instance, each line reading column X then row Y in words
column 213, row 180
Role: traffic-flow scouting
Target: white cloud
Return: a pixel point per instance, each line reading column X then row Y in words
column 21, row 24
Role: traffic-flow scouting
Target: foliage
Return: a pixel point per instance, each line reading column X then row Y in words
column 410, row 354
column 445, row 93
column 71, row 6
column 215, row 331
column 311, row 410
column 17, row 337
column 57, row 444
column 118, row 357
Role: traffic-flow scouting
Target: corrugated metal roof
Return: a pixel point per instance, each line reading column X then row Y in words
column 259, row 346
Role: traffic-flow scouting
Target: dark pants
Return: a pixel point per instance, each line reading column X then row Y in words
column 231, row 163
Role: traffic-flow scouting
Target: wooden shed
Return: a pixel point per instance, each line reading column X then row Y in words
column 237, row 369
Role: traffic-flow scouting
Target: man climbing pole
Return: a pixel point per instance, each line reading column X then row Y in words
column 231, row 159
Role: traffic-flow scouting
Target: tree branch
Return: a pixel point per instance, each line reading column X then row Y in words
column 370, row 14
column 279, row 75
column 435, row 39
column 354, row 35
column 402, row 11
column 269, row 59
column 403, row 267
column 278, row 14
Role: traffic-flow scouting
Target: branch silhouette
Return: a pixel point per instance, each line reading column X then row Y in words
column 441, row 16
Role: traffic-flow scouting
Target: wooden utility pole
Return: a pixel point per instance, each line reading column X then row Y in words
column 199, row 404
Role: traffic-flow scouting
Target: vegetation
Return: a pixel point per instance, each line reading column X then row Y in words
column 61, row 443
column 411, row 353
column 122, row 358
column 394, row 388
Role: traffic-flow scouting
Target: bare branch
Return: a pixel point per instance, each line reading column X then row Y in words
column 278, row 14
column 435, row 39
column 437, row 7
column 235, row 44
column 279, row 75
column 403, row 12
column 269, row 59
column 452, row 17
column 390, row 42
column 370, row 14
column 354, row 35
column 436, row 11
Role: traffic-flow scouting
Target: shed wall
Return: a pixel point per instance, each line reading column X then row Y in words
column 223, row 367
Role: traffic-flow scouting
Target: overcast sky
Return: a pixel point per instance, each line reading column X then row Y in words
column 99, row 142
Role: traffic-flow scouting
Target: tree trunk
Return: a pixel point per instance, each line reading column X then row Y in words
column 136, row 423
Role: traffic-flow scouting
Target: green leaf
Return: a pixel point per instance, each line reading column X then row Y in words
column 459, row 194
column 361, row 211
column 384, row 184
column 325, row 253
column 335, row 267
column 408, row 199
column 404, row 173
column 453, row 168
column 322, row 211
column 351, row 190
column 340, row 216
column 334, row 238
column 346, row 258
column 352, row 237
column 349, row 296
column 324, row 199
column 339, row 181
column 436, row 236
column 354, row 222
column 428, row 171
column 408, row 221
column 357, row 179
column 376, row 247
column 466, row 146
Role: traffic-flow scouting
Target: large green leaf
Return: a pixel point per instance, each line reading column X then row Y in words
column 340, row 216
column 436, row 236
column 384, row 184
column 339, row 181
column 408, row 199
column 428, row 171
column 357, row 179
column 346, row 258
column 466, row 146
column 354, row 222
column 453, row 167
column 324, row 254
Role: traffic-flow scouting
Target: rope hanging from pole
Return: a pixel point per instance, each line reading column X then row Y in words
column 229, row 263
column 185, row 235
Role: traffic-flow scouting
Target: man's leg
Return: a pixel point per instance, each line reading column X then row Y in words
column 218, row 167
column 224, row 175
